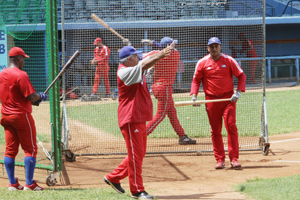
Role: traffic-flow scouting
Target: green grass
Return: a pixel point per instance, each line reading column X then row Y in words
column 64, row 194
column 104, row 116
column 282, row 111
column 286, row 188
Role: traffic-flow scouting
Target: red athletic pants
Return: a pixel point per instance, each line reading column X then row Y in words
column 253, row 64
column 216, row 112
column 19, row 129
column 165, row 106
column 101, row 71
column 136, row 142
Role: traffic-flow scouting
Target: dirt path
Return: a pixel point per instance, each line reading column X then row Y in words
column 191, row 176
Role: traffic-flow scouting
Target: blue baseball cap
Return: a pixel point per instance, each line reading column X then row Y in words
column 167, row 41
column 213, row 40
column 128, row 51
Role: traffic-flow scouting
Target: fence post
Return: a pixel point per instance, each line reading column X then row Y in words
column 269, row 71
column 297, row 68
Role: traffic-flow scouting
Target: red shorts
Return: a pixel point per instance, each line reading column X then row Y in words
column 19, row 129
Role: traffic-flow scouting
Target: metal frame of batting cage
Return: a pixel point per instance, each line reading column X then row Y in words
column 263, row 140
column 53, row 69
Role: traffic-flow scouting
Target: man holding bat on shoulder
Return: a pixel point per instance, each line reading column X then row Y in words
column 101, row 57
column 216, row 72
column 17, row 95
column 135, row 108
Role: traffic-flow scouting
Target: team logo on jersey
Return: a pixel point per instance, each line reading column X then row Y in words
column 209, row 68
column 136, row 131
column 223, row 66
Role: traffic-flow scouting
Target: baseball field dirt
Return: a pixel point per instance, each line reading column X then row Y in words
column 189, row 176
column 192, row 176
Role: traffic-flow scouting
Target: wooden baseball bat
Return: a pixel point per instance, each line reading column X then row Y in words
column 61, row 97
column 64, row 69
column 188, row 103
column 97, row 19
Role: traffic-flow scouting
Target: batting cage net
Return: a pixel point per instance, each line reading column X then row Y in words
column 83, row 115
column 91, row 84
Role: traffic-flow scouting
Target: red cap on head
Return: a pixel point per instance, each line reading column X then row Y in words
column 17, row 51
column 97, row 40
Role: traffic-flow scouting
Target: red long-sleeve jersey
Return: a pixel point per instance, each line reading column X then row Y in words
column 217, row 76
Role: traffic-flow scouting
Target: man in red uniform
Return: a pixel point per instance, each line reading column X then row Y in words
column 164, row 77
column 101, row 57
column 135, row 108
column 249, row 50
column 216, row 72
column 16, row 95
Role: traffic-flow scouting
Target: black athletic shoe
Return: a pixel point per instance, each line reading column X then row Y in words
column 142, row 195
column 115, row 186
column 184, row 140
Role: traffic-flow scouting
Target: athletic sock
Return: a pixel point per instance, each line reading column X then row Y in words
column 10, row 169
column 29, row 168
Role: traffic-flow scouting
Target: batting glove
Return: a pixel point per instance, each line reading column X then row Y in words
column 194, row 98
column 43, row 96
column 235, row 97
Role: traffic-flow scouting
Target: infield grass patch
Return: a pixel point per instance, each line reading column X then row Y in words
column 286, row 188
column 64, row 194
column 282, row 110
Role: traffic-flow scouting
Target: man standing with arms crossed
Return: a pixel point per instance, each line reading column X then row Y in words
column 101, row 57
column 164, row 77
column 216, row 72
column 16, row 95
column 135, row 108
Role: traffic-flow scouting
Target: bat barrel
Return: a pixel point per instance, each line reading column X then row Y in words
column 187, row 103
column 64, row 69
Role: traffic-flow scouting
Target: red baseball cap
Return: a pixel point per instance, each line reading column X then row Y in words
column 17, row 51
column 97, row 40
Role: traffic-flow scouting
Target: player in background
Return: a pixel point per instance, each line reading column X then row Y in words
column 215, row 71
column 17, row 95
column 164, row 77
column 249, row 50
column 135, row 108
column 101, row 57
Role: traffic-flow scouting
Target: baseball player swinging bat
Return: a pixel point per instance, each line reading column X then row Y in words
column 100, row 21
column 64, row 69
column 188, row 103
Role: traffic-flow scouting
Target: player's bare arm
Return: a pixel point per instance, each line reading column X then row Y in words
column 35, row 98
column 156, row 57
